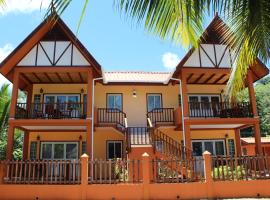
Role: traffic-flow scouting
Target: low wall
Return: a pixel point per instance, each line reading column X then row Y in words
column 142, row 191
column 226, row 189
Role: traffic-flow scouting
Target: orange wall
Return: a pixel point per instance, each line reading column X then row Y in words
column 101, row 135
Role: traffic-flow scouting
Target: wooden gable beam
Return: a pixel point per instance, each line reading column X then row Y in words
column 199, row 78
column 59, row 77
column 36, row 76
column 48, row 77
column 209, row 78
column 25, row 79
column 221, row 77
column 81, row 78
column 69, row 76
column 189, row 77
column 224, row 82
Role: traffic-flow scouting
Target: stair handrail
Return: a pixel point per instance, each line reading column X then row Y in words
column 168, row 145
column 118, row 117
column 161, row 115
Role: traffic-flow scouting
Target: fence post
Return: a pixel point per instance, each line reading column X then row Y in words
column 84, row 169
column 208, row 174
column 146, row 175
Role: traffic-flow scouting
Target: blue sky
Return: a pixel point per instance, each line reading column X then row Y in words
column 115, row 42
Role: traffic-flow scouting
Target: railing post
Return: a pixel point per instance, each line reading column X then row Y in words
column 84, row 169
column 146, row 175
column 207, row 166
column 208, row 174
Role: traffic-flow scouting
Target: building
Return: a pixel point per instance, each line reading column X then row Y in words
column 73, row 107
column 248, row 146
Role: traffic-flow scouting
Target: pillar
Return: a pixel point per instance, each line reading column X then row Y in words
column 29, row 97
column 14, row 96
column 252, row 97
column 238, row 142
column 188, row 140
column 89, row 140
column 89, row 95
column 257, row 135
column 10, row 142
column 25, row 145
column 185, row 96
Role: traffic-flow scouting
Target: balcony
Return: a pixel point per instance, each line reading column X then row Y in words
column 220, row 110
column 50, row 111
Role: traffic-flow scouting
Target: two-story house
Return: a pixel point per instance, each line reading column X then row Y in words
column 74, row 107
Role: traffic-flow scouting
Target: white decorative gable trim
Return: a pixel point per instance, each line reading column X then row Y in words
column 211, row 55
column 54, row 53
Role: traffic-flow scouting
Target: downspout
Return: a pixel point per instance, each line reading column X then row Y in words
column 182, row 109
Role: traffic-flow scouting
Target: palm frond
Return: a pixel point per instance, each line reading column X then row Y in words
column 177, row 20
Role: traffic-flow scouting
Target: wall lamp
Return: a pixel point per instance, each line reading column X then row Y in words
column 41, row 90
column 134, row 93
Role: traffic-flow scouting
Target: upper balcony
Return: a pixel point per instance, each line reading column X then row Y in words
column 161, row 116
column 51, row 111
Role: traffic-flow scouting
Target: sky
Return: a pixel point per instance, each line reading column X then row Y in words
column 115, row 42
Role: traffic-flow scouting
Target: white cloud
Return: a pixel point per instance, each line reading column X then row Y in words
column 4, row 52
column 170, row 60
column 23, row 6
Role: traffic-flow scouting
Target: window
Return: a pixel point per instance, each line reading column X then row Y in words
column 231, row 147
column 59, row 150
column 114, row 149
column 33, row 150
column 207, row 105
column 114, row 101
column 215, row 147
column 153, row 101
column 37, row 100
column 62, row 103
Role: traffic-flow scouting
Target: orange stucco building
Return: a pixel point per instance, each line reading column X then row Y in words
column 73, row 107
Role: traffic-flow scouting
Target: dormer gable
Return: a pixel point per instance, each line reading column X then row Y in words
column 213, row 53
column 51, row 44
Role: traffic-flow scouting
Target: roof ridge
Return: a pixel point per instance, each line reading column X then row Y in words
column 142, row 72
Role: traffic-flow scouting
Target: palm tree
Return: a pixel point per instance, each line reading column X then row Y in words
column 4, row 106
column 4, row 115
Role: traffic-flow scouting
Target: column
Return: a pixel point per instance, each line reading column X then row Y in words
column 252, row 97
column 238, row 142
column 14, row 96
column 89, row 94
column 89, row 114
column 185, row 96
column 29, row 97
column 10, row 142
column 188, row 139
column 25, row 145
column 89, row 141
column 257, row 135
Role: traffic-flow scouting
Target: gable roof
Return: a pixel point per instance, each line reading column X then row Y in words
column 137, row 77
column 43, row 32
column 213, row 35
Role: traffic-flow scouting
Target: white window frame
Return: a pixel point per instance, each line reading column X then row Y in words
column 113, row 142
column 154, row 95
column 203, row 95
column 114, row 95
column 214, row 146
column 55, row 100
column 53, row 144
